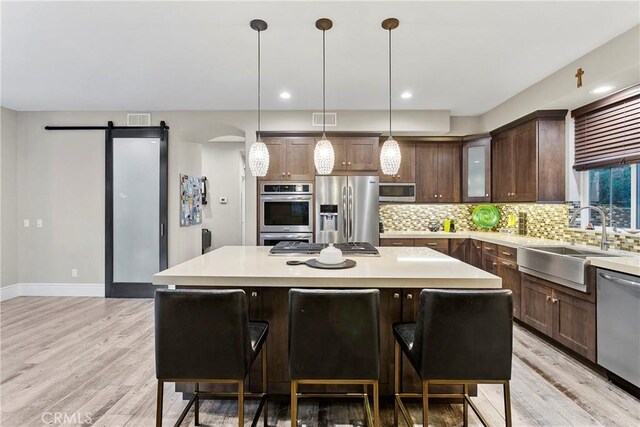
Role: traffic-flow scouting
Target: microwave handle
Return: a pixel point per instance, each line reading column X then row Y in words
column 344, row 212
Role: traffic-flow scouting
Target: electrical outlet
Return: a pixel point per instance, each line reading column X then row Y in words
column 74, row 272
column 223, row 200
column 39, row 223
column 26, row 223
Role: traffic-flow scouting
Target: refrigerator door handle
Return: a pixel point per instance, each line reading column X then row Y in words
column 350, row 234
column 344, row 212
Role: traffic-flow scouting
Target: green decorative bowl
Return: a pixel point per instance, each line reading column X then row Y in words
column 485, row 216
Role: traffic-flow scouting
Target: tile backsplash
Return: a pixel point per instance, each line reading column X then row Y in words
column 547, row 221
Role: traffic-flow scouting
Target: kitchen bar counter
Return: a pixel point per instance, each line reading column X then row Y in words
column 243, row 266
column 399, row 273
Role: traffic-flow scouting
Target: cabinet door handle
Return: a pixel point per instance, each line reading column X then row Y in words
column 486, row 195
column 435, row 195
column 441, row 196
column 349, row 163
column 254, row 294
column 289, row 173
column 410, row 296
column 396, row 295
column 398, row 176
column 344, row 163
column 283, row 173
column 548, row 297
column 554, row 300
column 494, row 264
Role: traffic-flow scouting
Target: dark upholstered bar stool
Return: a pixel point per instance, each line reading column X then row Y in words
column 334, row 338
column 461, row 337
column 206, row 337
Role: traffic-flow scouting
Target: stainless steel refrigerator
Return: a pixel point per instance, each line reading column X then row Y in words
column 347, row 209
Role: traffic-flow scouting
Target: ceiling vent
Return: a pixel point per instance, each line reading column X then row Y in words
column 139, row 119
column 332, row 119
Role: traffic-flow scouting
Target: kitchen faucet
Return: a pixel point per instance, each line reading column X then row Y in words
column 604, row 244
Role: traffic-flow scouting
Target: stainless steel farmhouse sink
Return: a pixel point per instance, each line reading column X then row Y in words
column 561, row 264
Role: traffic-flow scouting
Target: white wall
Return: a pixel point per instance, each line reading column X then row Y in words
column 222, row 165
column 616, row 63
column 8, row 198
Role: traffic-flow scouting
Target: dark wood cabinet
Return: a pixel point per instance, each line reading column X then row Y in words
column 508, row 272
column 459, row 249
column 536, row 308
column 475, row 253
column 575, row 324
column 567, row 316
column 290, row 159
column 407, row 171
column 528, row 158
column 490, row 264
column 354, row 153
column 476, row 169
column 438, row 172
column 397, row 242
column 440, row 245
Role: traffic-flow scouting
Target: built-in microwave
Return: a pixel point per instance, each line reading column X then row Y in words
column 397, row 192
column 286, row 208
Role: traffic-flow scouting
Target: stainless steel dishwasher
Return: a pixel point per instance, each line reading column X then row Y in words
column 619, row 324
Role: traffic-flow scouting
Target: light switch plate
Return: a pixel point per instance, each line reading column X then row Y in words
column 39, row 223
column 26, row 223
column 74, row 272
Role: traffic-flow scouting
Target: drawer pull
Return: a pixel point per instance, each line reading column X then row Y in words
column 494, row 264
column 432, row 244
column 506, row 263
column 489, row 249
column 397, row 243
column 506, row 253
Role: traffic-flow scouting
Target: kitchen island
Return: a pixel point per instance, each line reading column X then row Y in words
column 399, row 273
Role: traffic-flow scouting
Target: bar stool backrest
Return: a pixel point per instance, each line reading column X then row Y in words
column 464, row 334
column 202, row 334
column 334, row 334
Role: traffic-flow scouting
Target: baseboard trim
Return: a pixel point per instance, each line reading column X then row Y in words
column 52, row 290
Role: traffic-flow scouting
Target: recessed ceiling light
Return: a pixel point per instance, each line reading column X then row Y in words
column 406, row 95
column 602, row 89
column 285, row 95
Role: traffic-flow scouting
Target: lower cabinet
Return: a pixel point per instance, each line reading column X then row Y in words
column 459, row 249
column 568, row 319
column 475, row 253
column 508, row 272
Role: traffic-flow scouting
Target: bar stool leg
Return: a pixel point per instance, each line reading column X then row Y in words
column 197, row 404
column 376, row 405
column 264, row 385
column 507, row 403
column 465, row 406
column 425, row 403
column 240, row 403
column 159, row 398
column 396, row 381
column 294, row 403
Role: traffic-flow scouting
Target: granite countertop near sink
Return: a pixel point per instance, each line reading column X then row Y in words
column 626, row 262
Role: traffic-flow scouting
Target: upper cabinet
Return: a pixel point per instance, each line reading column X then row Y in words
column 438, row 172
column 528, row 158
column 407, row 171
column 476, row 169
column 360, row 154
column 290, row 159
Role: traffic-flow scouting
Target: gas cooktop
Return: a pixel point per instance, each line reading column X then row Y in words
column 303, row 248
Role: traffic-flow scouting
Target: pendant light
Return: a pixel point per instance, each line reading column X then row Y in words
column 258, row 153
column 323, row 155
column 390, row 155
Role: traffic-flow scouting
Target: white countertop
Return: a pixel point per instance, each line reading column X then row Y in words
column 249, row 266
column 625, row 262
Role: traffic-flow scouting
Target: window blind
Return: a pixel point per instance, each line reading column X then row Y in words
column 607, row 132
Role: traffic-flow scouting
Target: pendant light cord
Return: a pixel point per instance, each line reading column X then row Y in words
column 324, row 114
column 390, row 137
column 258, row 84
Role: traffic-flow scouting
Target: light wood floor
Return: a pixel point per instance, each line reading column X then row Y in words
column 93, row 357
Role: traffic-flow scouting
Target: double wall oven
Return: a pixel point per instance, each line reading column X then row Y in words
column 286, row 212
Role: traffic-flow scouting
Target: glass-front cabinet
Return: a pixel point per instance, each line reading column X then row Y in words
column 476, row 169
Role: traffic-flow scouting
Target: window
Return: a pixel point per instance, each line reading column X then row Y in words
column 615, row 190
